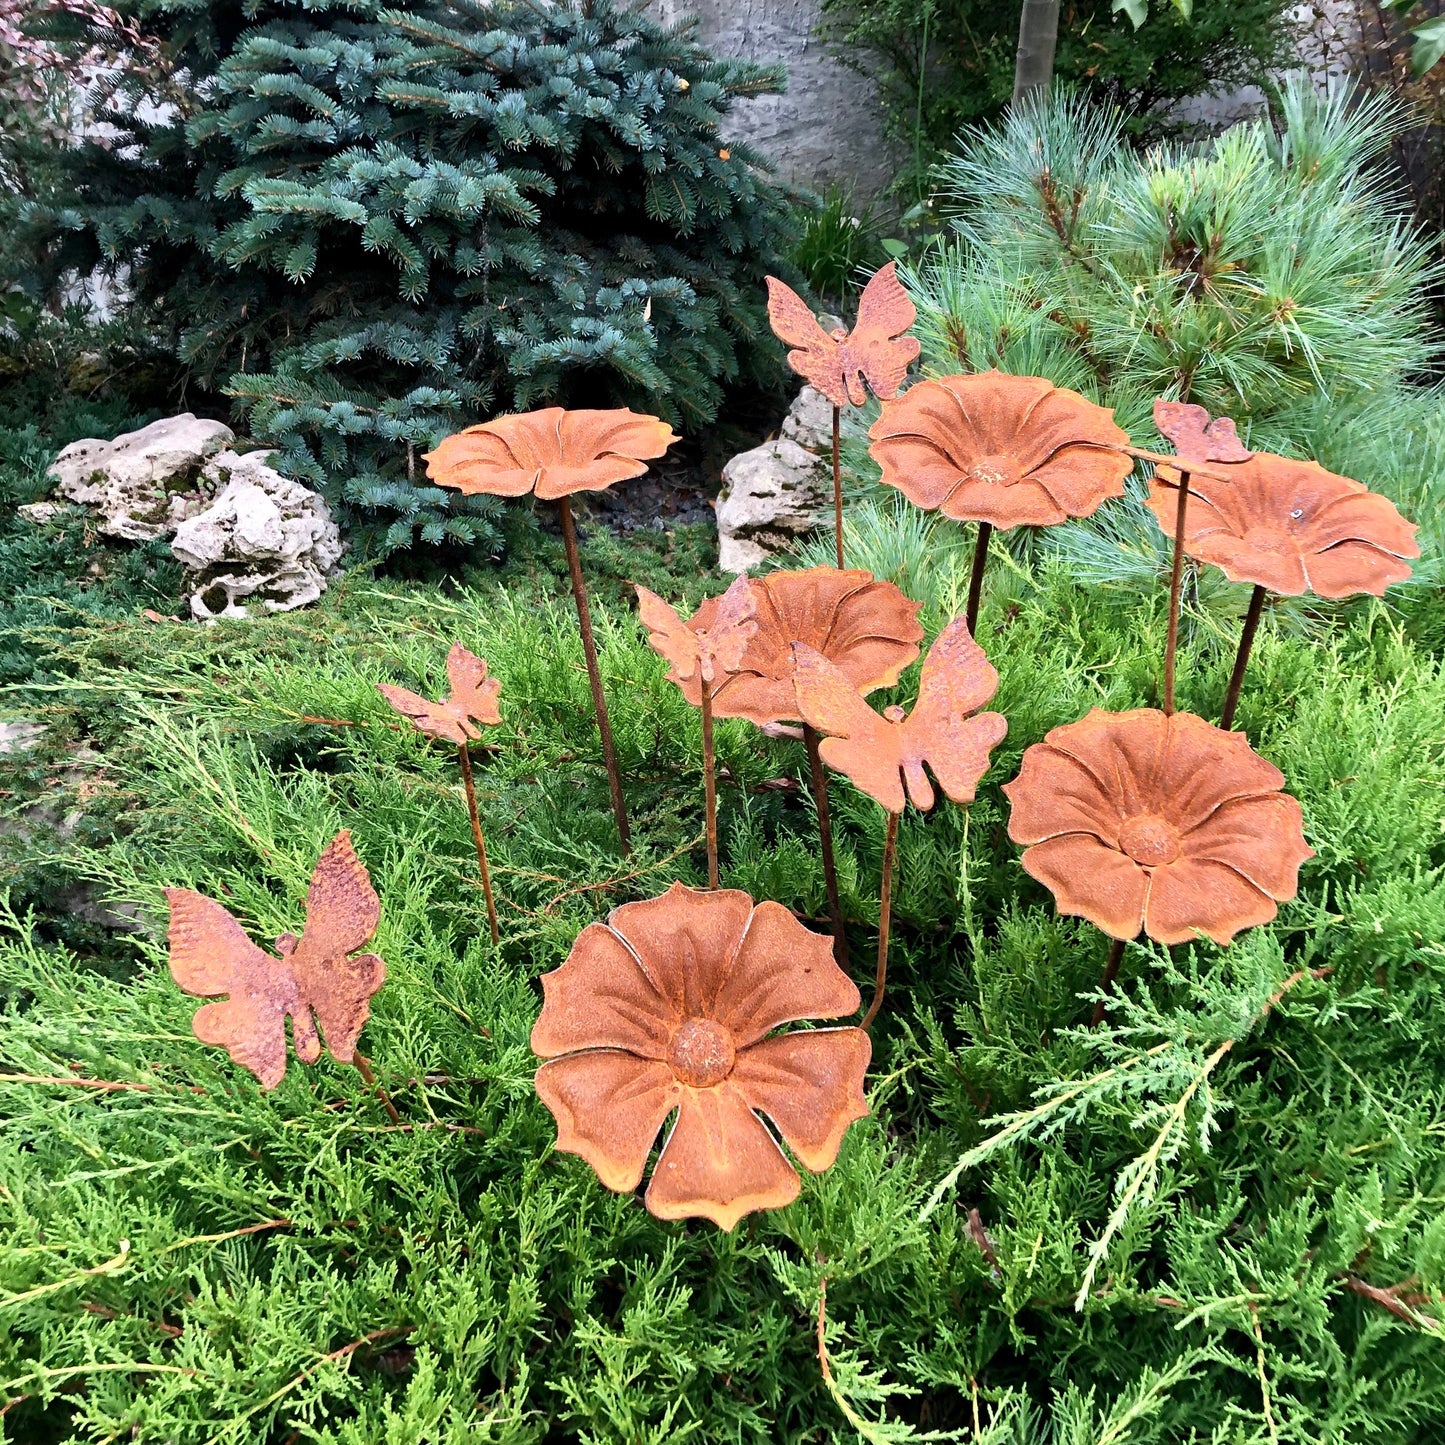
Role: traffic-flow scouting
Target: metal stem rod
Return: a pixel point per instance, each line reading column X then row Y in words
column 464, row 757
column 885, row 918
column 1241, row 658
column 825, row 841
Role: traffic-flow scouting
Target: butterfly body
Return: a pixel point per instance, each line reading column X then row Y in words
column 889, row 755
column 471, row 699
column 314, row 980
column 844, row 365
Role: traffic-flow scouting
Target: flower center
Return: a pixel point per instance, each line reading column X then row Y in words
column 1269, row 539
column 1149, row 839
column 702, row 1053
column 999, row 470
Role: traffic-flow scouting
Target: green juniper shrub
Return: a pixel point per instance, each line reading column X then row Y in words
column 371, row 226
column 946, row 65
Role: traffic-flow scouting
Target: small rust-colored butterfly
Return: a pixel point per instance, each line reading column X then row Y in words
column 883, row 754
column 705, row 651
column 473, row 696
column 1195, row 437
column 314, row 981
column 875, row 351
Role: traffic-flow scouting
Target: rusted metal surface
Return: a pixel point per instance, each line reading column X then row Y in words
column 1007, row 450
column 886, row 755
column 668, row 1006
column 704, row 652
column 696, row 649
column 1165, row 824
column 1293, row 527
column 838, row 363
column 472, row 698
column 552, row 453
column 868, row 629
column 319, row 979
column 1195, row 437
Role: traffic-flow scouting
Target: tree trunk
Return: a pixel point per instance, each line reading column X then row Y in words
column 1038, row 35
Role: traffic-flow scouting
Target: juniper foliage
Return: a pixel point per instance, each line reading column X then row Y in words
column 1214, row 1219
column 372, row 226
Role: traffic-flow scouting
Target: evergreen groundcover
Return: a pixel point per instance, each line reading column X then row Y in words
column 1245, row 1162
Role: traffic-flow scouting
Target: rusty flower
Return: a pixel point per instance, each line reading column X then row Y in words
column 668, row 1006
column 868, row 629
column 316, row 980
column 838, row 363
column 553, row 452
column 1165, row 823
column 1292, row 527
column 945, row 731
column 1010, row 451
column 471, row 698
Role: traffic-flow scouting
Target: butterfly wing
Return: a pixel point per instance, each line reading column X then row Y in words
column 210, row 955
column 1195, row 437
column 722, row 647
column 816, row 356
column 436, row 719
column 859, row 744
column 668, row 635
column 876, row 347
column 945, row 730
column 471, row 689
column 342, row 911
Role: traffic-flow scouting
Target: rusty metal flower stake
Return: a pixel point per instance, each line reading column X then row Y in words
column 670, row 1005
column 1002, row 451
column 319, row 978
column 552, row 454
column 1288, row 527
column 839, row 363
column 1196, row 439
column 868, row 629
column 1156, row 822
column 886, row 756
column 471, row 699
column 703, row 652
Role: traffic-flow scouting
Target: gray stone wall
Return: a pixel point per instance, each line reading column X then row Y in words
column 827, row 126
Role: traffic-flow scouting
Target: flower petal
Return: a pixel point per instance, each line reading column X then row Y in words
column 782, row 972
column 1081, row 479
column 608, row 1106
column 1121, row 749
column 1055, row 793
column 1349, row 568
column 686, row 939
column 1281, row 572
column 604, row 996
column 1363, row 517
column 1019, row 504
column 1196, row 896
column 719, row 1162
column 810, row 1084
column 1092, row 881
column 1203, row 767
column 480, row 459
column 1261, row 838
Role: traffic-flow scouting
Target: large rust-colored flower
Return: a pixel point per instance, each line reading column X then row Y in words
column 1138, row 820
column 867, row 629
column 838, row 363
column 1012, row 451
column 668, row 1006
column 553, row 452
column 1292, row 527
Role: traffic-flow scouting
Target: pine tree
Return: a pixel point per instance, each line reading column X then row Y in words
column 376, row 225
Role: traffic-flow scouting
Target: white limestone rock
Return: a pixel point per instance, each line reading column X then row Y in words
column 770, row 497
column 265, row 541
column 809, row 422
column 143, row 483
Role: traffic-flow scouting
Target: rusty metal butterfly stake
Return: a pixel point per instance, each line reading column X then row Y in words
column 1002, row 451
column 885, row 756
column 868, row 629
column 671, row 1005
column 703, row 652
column 552, row 454
column 319, row 978
column 838, row 363
column 1160, row 823
column 1287, row 526
column 471, row 699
